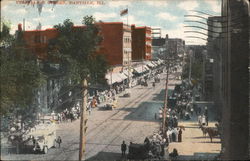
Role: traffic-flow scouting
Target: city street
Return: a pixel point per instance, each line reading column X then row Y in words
column 132, row 121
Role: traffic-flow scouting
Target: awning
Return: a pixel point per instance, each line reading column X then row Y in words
column 141, row 69
column 156, row 63
column 123, row 76
column 115, row 77
column 126, row 73
column 145, row 68
column 149, row 64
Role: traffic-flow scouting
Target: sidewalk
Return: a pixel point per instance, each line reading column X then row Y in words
column 194, row 145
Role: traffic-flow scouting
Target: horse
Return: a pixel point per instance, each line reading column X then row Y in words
column 181, row 127
column 212, row 132
column 204, row 130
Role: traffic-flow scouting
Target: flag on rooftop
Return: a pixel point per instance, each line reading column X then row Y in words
column 124, row 12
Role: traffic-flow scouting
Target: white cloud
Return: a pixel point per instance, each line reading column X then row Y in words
column 104, row 16
column 47, row 10
column 20, row 11
column 215, row 5
column 132, row 20
column 166, row 16
column 46, row 27
column 38, row 19
column 188, row 5
column 118, row 3
column 142, row 13
column 157, row 3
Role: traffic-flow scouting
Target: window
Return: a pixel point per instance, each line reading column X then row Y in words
column 37, row 39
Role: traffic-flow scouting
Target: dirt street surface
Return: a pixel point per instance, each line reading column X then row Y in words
column 132, row 121
column 194, row 145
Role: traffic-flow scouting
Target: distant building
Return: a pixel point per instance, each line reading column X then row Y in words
column 175, row 46
column 158, row 48
column 170, row 46
column 141, row 43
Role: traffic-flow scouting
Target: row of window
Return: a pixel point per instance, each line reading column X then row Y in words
column 39, row 39
column 127, row 39
column 126, row 52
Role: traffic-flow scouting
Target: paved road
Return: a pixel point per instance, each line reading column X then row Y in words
column 132, row 121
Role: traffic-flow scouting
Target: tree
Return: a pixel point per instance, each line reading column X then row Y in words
column 197, row 67
column 20, row 78
column 75, row 48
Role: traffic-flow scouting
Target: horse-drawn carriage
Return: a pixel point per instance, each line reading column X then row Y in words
column 157, row 79
column 111, row 104
column 149, row 150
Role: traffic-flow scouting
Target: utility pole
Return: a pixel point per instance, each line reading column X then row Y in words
column 83, row 121
column 165, row 103
column 190, row 65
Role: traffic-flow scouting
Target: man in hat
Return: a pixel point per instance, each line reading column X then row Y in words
column 123, row 148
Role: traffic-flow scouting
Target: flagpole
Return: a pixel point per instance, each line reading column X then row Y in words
column 129, row 61
column 127, row 15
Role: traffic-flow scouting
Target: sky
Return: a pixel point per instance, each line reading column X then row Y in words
column 166, row 14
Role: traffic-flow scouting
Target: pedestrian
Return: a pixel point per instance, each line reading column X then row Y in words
column 94, row 102
column 59, row 141
column 123, row 148
column 89, row 107
column 180, row 136
column 71, row 116
column 174, row 154
column 206, row 115
column 33, row 140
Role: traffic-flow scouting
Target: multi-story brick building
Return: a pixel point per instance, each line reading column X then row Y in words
column 37, row 40
column 141, row 43
column 116, row 44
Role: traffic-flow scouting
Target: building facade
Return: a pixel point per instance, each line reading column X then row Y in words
column 235, row 80
column 158, row 48
column 141, row 43
column 212, row 60
column 117, row 43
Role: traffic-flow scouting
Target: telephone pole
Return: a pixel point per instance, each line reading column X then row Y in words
column 165, row 103
column 83, row 121
column 190, row 65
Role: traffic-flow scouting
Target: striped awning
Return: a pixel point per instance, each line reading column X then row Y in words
column 115, row 77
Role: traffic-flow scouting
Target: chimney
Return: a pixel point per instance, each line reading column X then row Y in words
column 133, row 26
column 19, row 27
column 166, row 36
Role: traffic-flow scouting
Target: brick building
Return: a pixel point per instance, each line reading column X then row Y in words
column 37, row 40
column 116, row 44
column 141, row 43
